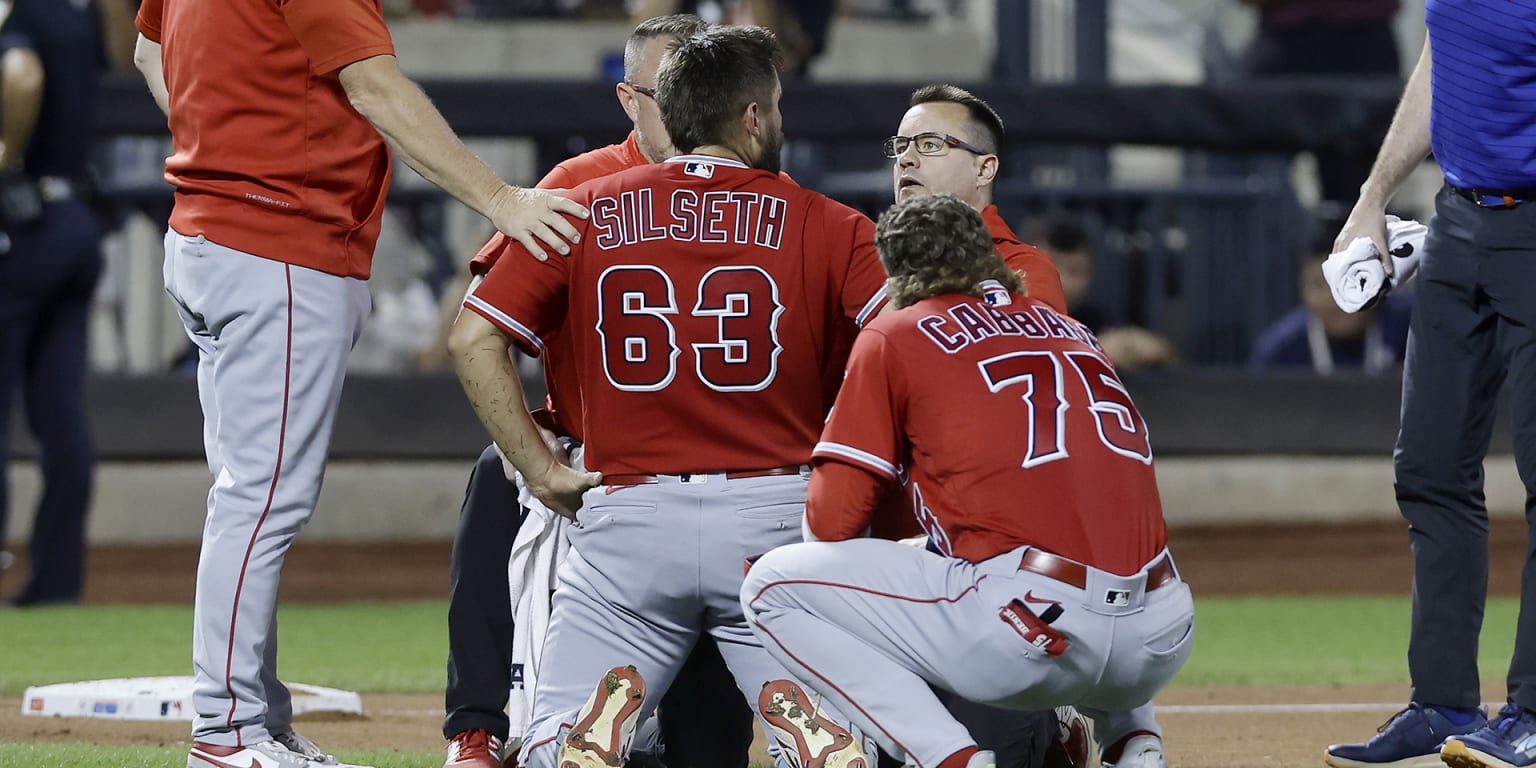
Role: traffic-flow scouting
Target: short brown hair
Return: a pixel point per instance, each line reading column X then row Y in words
column 986, row 125
column 708, row 79
column 679, row 26
column 937, row 244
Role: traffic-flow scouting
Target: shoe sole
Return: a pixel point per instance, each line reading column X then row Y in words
column 1458, row 755
column 610, row 715
column 1419, row 761
column 807, row 739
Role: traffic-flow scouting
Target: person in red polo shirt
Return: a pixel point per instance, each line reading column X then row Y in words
column 282, row 116
column 1029, row 468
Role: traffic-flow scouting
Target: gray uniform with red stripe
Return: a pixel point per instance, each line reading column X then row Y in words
column 1052, row 584
column 704, row 302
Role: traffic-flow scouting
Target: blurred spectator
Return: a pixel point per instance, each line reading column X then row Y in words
column 1304, row 38
column 51, row 53
column 1129, row 347
column 800, row 25
column 1320, row 336
column 1061, row 236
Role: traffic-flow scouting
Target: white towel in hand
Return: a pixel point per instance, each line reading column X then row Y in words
column 537, row 552
column 1355, row 275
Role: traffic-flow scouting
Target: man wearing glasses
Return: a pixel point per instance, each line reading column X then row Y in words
column 707, row 721
column 948, row 142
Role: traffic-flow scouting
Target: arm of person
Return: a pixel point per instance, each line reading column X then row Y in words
column 117, row 33
column 1405, row 147
column 417, row 132
column 841, row 502
column 21, row 101
column 146, row 58
column 482, row 359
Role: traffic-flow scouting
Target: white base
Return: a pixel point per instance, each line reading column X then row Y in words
column 160, row 698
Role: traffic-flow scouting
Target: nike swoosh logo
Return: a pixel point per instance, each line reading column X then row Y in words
column 245, row 762
column 1029, row 597
column 1526, row 744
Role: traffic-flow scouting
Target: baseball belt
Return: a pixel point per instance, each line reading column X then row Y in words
column 1074, row 573
column 626, row 480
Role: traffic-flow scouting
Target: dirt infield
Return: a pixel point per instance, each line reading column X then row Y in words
column 1206, row 728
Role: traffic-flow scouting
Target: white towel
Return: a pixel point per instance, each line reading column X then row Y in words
column 1355, row 275
column 537, row 552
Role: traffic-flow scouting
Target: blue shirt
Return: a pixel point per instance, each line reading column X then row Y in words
column 1482, row 121
column 66, row 36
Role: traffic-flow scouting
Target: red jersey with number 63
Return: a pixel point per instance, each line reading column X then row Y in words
column 1013, row 426
column 703, row 301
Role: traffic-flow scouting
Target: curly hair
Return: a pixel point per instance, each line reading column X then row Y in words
column 937, row 244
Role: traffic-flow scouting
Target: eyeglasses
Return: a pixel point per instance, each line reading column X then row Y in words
column 928, row 144
column 651, row 92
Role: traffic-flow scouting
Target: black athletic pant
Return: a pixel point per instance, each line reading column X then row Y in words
column 705, row 721
column 48, row 273
column 1474, row 324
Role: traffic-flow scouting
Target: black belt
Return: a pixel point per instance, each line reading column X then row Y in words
column 1495, row 198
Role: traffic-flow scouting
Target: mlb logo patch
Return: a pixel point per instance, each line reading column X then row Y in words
column 699, row 169
column 36, row 705
column 995, row 294
column 168, row 707
column 1117, row 597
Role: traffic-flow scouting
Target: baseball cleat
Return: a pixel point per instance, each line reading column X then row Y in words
column 805, row 736
column 1139, row 750
column 1508, row 741
column 475, row 748
column 1411, row 739
column 605, row 725
column 1073, row 742
column 267, row 754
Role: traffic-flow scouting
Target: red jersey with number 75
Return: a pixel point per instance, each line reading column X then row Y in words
column 1013, row 426
column 703, row 302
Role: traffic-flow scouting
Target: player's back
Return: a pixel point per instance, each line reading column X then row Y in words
column 1020, row 432
column 711, row 291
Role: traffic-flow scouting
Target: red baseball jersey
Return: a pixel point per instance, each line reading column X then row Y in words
column 1041, row 280
column 564, row 395
column 1013, row 427
column 703, row 301
column 270, row 157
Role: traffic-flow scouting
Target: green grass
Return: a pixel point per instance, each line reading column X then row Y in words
column 394, row 647
column 71, row 755
column 1320, row 640
column 399, row 647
